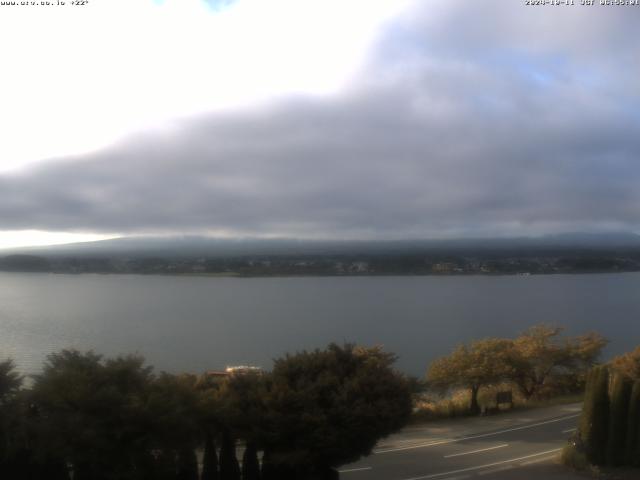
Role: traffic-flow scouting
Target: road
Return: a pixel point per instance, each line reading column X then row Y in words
column 518, row 445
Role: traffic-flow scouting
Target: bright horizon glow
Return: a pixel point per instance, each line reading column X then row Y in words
column 78, row 78
column 38, row 238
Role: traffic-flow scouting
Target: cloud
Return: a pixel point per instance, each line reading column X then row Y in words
column 469, row 119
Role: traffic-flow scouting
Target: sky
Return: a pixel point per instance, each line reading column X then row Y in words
column 346, row 119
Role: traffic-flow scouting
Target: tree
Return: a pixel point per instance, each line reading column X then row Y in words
column 90, row 412
column 13, row 458
column 472, row 366
column 619, row 410
column 250, row 463
column 329, row 407
column 632, row 448
column 10, row 381
column 628, row 364
column 242, row 410
column 172, row 408
column 187, row 464
column 229, row 467
column 594, row 420
column 209, row 459
column 540, row 353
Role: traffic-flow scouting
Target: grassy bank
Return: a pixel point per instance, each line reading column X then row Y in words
column 456, row 404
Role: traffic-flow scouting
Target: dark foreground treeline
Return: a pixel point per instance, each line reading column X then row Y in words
column 609, row 429
column 92, row 418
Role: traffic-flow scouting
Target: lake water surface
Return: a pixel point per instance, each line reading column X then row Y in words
column 200, row 323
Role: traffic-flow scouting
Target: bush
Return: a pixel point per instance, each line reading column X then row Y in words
column 329, row 407
column 453, row 406
column 575, row 458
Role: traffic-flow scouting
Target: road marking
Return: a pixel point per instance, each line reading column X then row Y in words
column 459, row 477
column 480, row 467
column 569, row 430
column 472, row 437
column 351, row 470
column 537, row 460
column 496, row 470
column 572, row 409
column 476, row 451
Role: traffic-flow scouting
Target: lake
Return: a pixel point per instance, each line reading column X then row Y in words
column 200, row 323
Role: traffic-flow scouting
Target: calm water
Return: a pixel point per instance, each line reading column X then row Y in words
column 198, row 323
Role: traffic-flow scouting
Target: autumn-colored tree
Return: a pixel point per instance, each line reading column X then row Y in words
column 473, row 366
column 628, row 364
column 541, row 352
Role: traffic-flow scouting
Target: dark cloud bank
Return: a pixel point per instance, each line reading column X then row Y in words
column 471, row 119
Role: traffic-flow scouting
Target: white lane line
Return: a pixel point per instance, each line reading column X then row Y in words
column 480, row 467
column 569, row 430
column 538, row 460
column 415, row 444
column 473, row 437
column 350, row 470
column 496, row 470
column 459, row 477
column 476, row 451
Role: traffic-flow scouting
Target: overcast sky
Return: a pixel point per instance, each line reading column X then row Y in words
column 306, row 118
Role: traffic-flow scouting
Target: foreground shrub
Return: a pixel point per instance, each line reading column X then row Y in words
column 329, row 407
column 575, row 458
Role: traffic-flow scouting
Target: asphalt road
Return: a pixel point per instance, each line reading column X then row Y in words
column 518, row 445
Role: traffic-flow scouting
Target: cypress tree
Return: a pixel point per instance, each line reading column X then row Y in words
column 620, row 393
column 166, row 465
column 595, row 415
column 210, row 459
column 275, row 470
column 229, row 467
column 586, row 418
column 632, row 450
column 268, row 469
column 187, row 464
column 55, row 469
column 250, row 464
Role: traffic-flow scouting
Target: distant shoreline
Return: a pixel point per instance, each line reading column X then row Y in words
column 327, row 275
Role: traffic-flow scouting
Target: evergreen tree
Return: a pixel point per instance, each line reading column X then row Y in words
column 187, row 464
column 620, row 393
column 595, row 415
column 210, row 459
column 229, row 467
column 166, row 467
column 268, row 469
column 632, row 450
column 250, row 463
column 327, row 408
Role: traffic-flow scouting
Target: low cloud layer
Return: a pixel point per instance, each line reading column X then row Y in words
column 470, row 119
